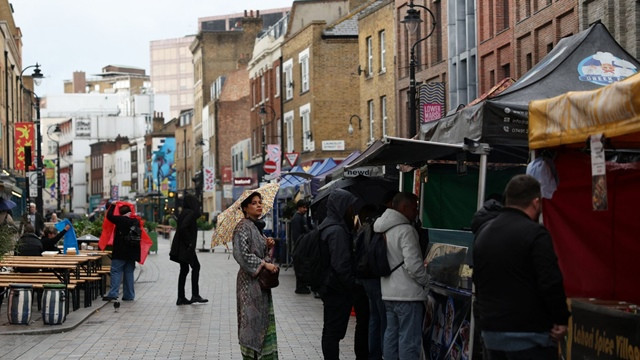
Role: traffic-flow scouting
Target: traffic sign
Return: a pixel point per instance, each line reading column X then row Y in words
column 270, row 166
column 292, row 158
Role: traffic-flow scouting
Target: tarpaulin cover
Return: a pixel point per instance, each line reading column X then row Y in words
column 613, row 110
column 585, row 61
column 597, row 250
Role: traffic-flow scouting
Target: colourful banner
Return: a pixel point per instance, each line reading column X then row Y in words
column 24, row 136
column 274, row 154
column 209, row 179
column 64, row 183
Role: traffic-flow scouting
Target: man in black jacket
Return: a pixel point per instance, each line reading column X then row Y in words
column 124, row 255
column 521, row 302
column 299, row 227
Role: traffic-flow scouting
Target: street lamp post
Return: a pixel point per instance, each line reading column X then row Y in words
column 263, row 115
column 37, row 77
column 200, row 182
column 412, row 21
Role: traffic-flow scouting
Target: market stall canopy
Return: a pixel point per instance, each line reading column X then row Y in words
column 292, row 181
column 613, row 110
column 585, row 61
column 393, row 150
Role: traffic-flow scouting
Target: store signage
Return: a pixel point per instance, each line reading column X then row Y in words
column 292, row 158
column 332, row 145
column 242, row 181
column 368, row 171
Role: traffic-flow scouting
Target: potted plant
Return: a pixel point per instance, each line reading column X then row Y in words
column 8, row 235
column 151, row 226
column 203, row 225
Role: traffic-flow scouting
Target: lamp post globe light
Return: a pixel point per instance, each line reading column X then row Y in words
column 412, row 21
column 37, row 78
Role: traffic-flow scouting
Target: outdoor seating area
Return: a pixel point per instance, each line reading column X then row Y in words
column 83, row 276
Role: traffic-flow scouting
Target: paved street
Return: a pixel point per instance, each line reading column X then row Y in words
column 153, row 327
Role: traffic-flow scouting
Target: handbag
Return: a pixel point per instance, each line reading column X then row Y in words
column 268, row 279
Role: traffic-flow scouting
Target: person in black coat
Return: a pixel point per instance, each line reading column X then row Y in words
column 183, row 250
column 51, row 236
column 29, row 243
column 124, row 255
column 299, row 227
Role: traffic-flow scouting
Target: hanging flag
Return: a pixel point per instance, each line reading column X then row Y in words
column 24, row 135
column 209, row 179
column 64, row 183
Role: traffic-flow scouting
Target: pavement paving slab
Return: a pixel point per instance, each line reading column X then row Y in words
column 153, row 327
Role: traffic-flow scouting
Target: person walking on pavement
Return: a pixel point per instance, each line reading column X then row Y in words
column 183, row 250
column 256, row 319
column 35, row 219
column 123, row 255
column 405, row 290
column 299, row 227
column 337, row 294
column 521, row 304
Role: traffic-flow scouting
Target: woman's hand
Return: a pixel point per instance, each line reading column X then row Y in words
column 271, row 267
column 270, row 242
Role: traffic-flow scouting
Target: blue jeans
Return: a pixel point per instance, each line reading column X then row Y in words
column 122, row 271
column 403, row 336
column 377, row 317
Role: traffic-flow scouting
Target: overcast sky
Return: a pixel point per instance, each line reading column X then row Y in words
column 84, row 35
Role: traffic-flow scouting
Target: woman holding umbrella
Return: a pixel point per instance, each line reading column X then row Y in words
column 256, row 320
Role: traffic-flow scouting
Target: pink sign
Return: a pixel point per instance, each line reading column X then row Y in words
column 431, row 111
column 209, row 179
column 64, row 183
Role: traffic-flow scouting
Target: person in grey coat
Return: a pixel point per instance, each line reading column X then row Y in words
column 183, row 250
column 337, row 231
column 405, row 290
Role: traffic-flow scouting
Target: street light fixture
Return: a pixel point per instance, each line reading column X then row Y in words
column 350, row 130
column 412, row 21
column 57, row 131
column 200, row 176
column 37, row 78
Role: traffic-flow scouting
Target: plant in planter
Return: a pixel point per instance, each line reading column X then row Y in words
column 150, row 226
column 203, row 225
column 8, row 236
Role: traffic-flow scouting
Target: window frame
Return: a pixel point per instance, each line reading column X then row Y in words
column 369, row 56
column 307, row 134
column 288, row 120
column 383, row 51
column 303, row 60
column 288, row 75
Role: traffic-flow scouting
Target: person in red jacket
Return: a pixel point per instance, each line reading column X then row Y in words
column 124, row 255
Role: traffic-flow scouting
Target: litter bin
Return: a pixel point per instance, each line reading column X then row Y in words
column 53, row 304
column 19, row 305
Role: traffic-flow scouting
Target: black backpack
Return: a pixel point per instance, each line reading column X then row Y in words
column 311, row 259
column 133, row 237
column 371, row 254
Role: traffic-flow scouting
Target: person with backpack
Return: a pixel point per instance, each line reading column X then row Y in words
column 125, row 253
column 336, row 236
column 183, row 250
column 404, row 290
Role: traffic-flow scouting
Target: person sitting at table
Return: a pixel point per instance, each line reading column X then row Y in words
column 29, row 243
column 51, row 236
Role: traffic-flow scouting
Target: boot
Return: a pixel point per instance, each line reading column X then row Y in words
column 198, row 299
column 183, row 301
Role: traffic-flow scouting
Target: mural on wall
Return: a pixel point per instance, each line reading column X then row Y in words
column 163, row 169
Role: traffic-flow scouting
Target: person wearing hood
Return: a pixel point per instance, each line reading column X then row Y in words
column 336, row 231
column 405, row 289
column 183, row 250
column 123, row 256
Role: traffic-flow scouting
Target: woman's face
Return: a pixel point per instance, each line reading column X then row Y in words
column 254, row 208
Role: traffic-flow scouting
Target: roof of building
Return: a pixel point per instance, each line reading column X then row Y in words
column 348, row 24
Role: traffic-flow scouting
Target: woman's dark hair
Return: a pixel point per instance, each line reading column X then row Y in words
column 248, row 201
column 49, row 230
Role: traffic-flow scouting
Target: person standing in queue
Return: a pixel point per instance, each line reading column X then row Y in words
column 183, row 250
column 299, row 227
column 521, row 304
column 123, row 255
column 256, row 318
column 337, row 296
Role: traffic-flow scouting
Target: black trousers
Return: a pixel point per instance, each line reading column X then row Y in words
column 337, row 309
column 195, row 277
column 361, row 337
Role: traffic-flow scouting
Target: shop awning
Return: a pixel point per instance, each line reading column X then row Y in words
column 393, row 150
column 571, row 118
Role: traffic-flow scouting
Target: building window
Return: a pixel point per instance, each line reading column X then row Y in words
column 307, row 136
column 303, row 59
column 506, row 71
column 278, row 84
column 492, row 78
column 369, row 56
column 383, row 52
column 505, row 14
column 549, row 47
column 263, row 92
column 371, row 120
column 529, row 61
column 288, row 121
column 288, row 79
column 383, row 114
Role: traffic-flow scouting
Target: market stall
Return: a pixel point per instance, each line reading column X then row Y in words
column 593, row 138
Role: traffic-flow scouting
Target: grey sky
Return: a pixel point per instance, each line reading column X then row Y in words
column 85, row 35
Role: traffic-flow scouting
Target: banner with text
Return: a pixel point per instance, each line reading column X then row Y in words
column 24, row 135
